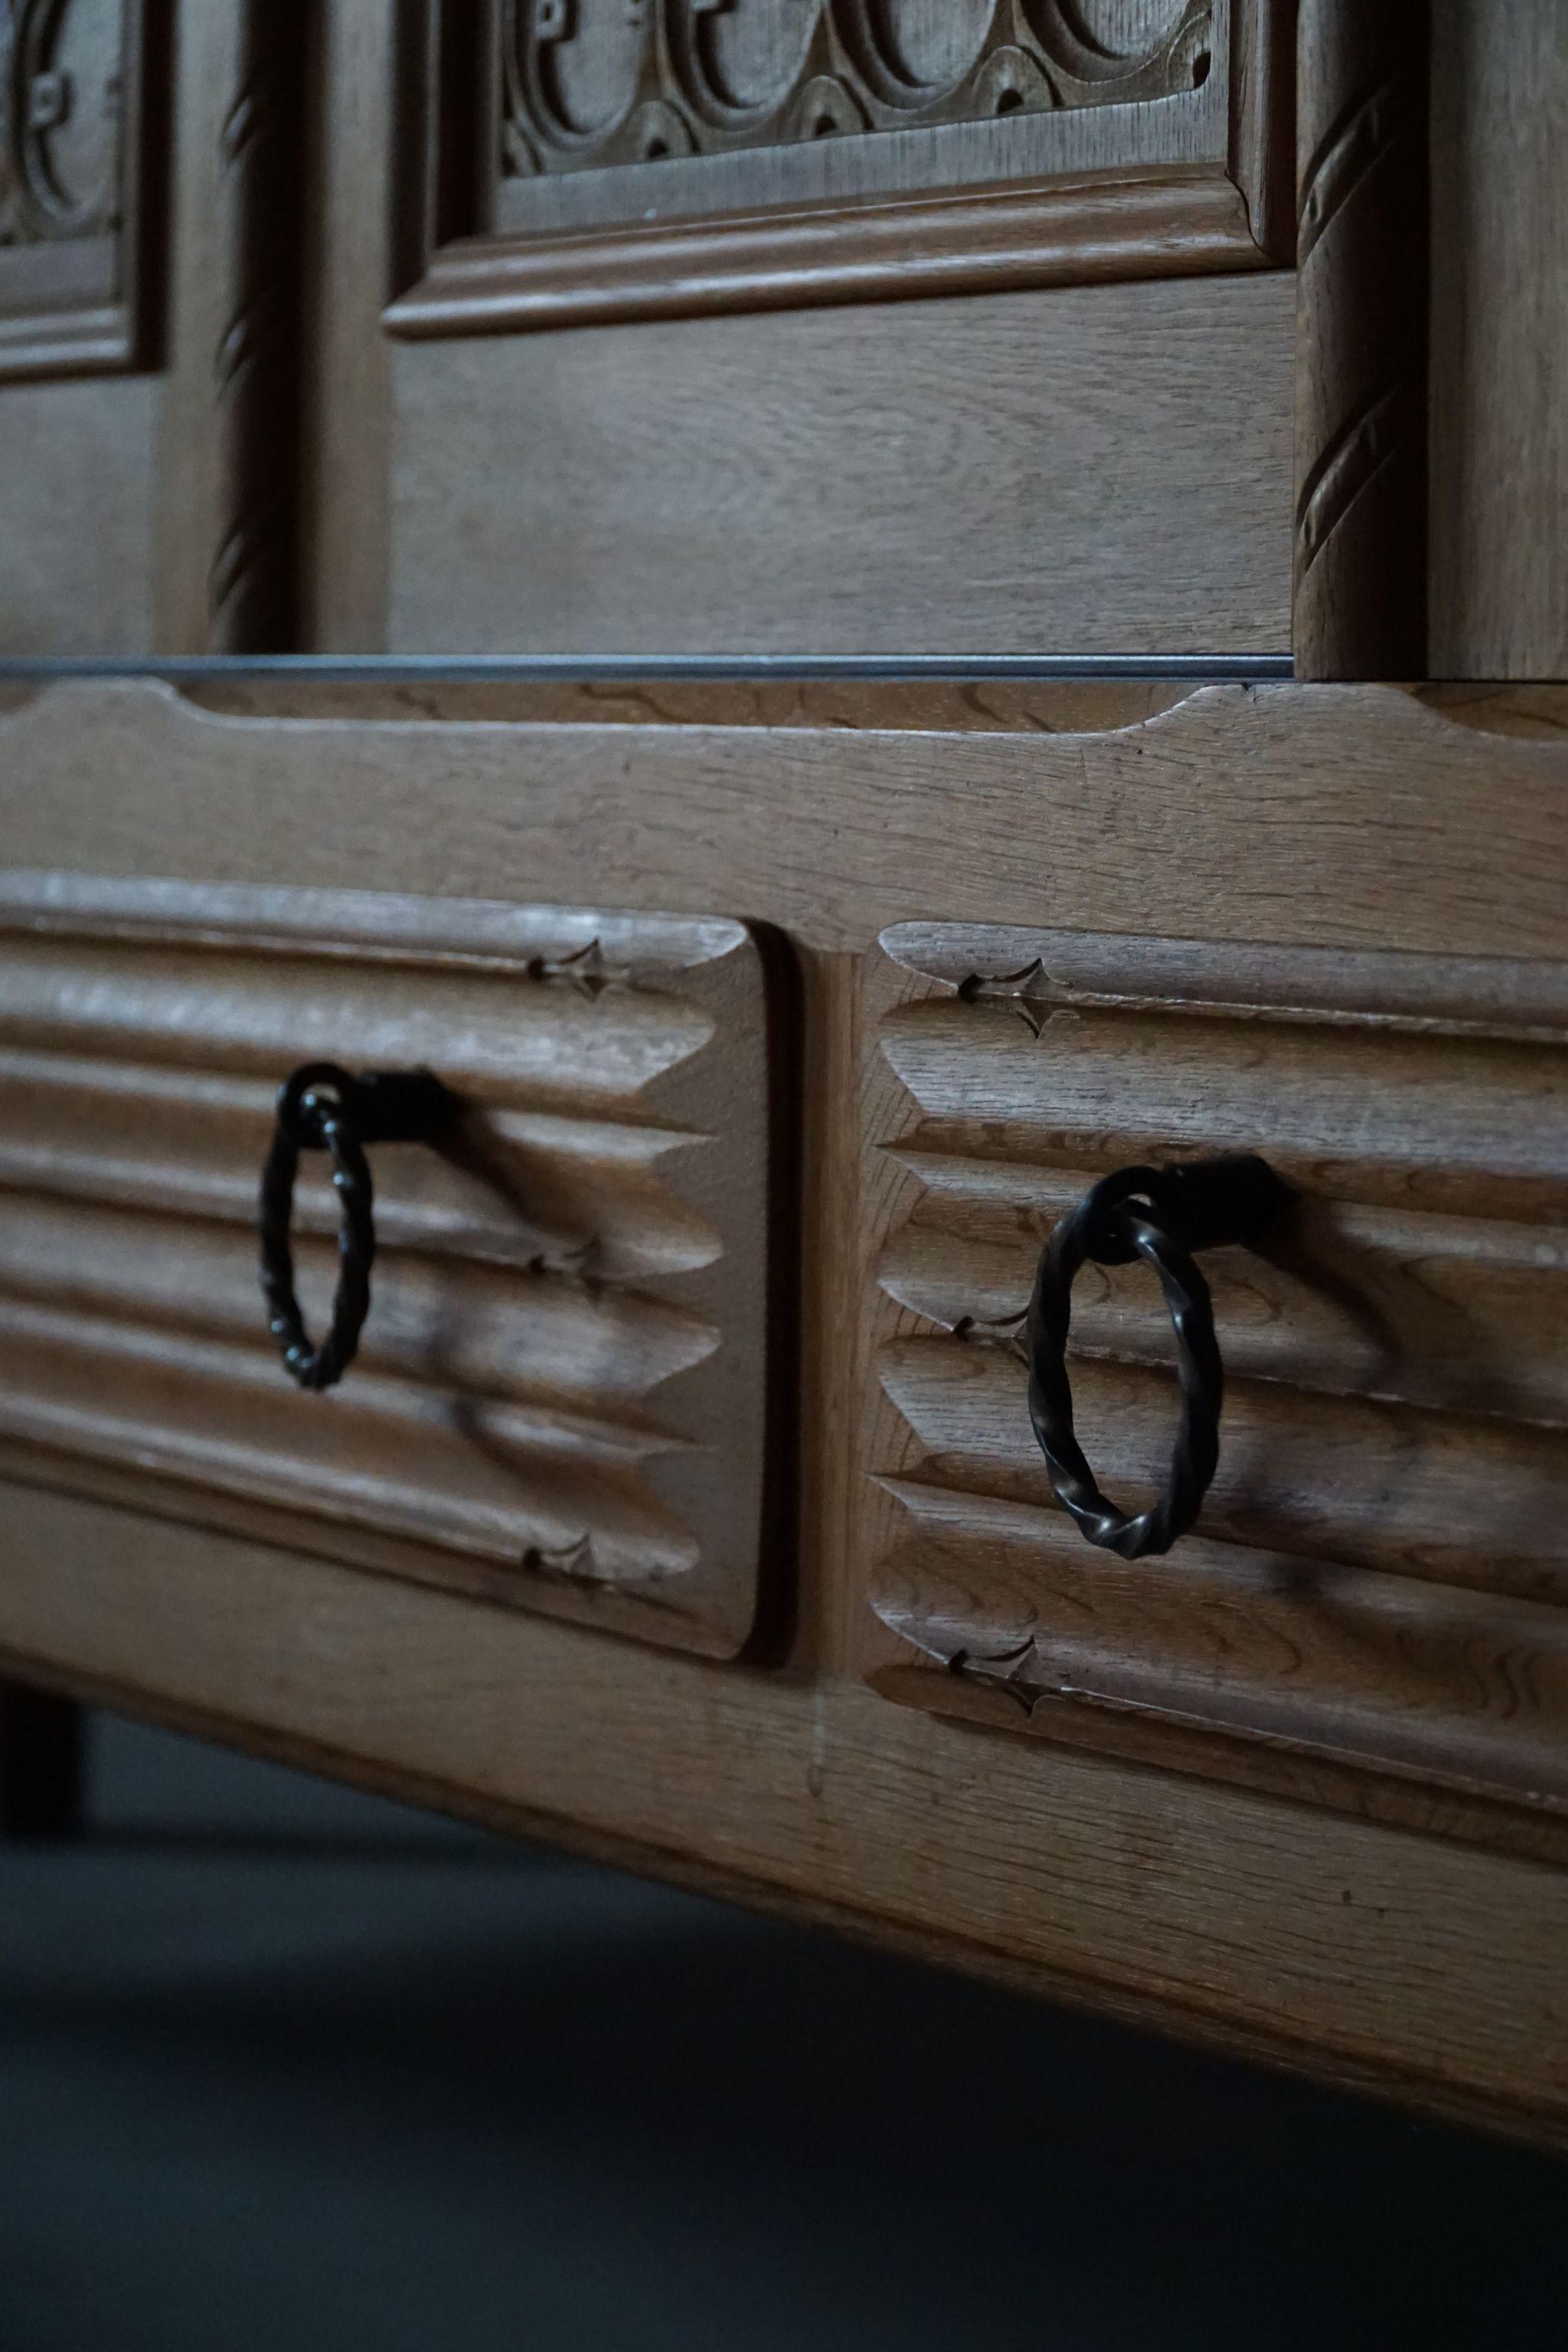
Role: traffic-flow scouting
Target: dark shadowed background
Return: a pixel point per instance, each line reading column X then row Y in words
column 284, row 2065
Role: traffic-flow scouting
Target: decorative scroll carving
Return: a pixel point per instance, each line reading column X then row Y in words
column 63, row 132
column 644, row 81
column 1362, row 279
column 559, row 1399
column 69, row 141
column 1373, row 1607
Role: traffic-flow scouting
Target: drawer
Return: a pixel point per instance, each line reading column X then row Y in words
column 1294, row 1786
column 1372, row 1608
column 559, row 1399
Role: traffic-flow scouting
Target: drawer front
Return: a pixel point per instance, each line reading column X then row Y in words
column 1373, row 1606
column 559, row 1399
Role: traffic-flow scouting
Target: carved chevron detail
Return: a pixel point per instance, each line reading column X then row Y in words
column 1351, row 152
column 1380, row 1576
column 559, row 1399
column 1351, row 463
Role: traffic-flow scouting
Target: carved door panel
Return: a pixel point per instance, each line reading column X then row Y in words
column 813, row 325
column 149, row 280
column 1370, row 1611
column 559, row 1402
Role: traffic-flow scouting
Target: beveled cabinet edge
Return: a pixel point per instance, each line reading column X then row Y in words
column 1231, row 813
column 1123, row 221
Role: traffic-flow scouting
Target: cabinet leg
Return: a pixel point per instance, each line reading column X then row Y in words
column 42, row 1749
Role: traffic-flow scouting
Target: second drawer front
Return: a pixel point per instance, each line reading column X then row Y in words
column 1373, row 1606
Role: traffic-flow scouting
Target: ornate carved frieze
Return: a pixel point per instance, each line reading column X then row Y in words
column 559, row 1399
column 590, row 83
column 69, row 139
column 662, row 158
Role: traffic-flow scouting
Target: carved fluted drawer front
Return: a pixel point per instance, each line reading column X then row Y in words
column 558, row 1401
column 1373, row 1606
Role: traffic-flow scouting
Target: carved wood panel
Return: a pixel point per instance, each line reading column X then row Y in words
column 712, row 154
column 559, row 1402
column 70, row 184
column 1374, row 1608
column 644, row 81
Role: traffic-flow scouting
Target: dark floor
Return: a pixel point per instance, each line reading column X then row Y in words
column 282, row 2067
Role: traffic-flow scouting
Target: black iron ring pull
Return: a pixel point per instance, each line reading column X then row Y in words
column 1163, row 1216
column 322, row 1107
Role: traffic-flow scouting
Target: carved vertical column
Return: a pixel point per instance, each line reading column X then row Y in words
column 1361, row 350
column 252, row 586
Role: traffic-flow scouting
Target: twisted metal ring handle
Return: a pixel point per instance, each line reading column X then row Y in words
column 1163, row 1216
column 322, row 1107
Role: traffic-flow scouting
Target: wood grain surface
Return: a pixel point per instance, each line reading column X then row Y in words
column 1089, row 468
column 1402, row 1964
column 77, row 516
column 560, row 1401
column 1350, row 817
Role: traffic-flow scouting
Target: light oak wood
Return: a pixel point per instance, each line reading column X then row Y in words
column 997, row 706
column 153, row 509
column 360, row 255
column 1361, row 378
column 1397, row 1362
column 1499, row 342
column 559, row 1403
column 1067, row 233
column 1382, row 1960
column 1031, row 470
column 875, row 479
column 75, row 453
column 1210, row 846
column 1349, row 817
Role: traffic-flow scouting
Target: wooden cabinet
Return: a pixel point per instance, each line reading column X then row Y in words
column 1296, row 1788
column 683, row 1501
